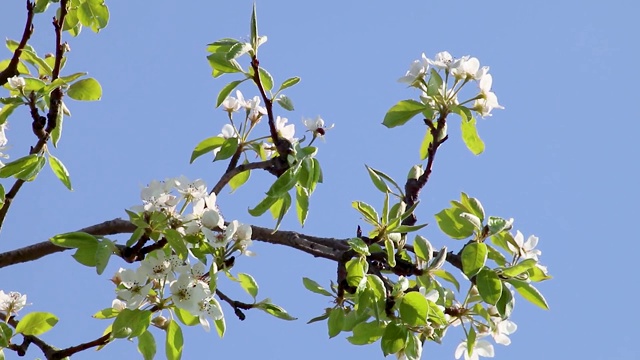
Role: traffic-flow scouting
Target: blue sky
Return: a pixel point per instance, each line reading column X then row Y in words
column 559, row 158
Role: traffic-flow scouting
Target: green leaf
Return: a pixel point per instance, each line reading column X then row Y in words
column 104, row 250
column 289, row 83
column 86, row 255
column 280, row 208
column 131, row 323
column 473, row 205
column 423, row 248
column 228, row 148
column 335, row 322
column 239, row 179
column 537, row 274
column 221, row 65
column 57, row 131
column 314, row 287
column 302, row 204
column 254, row 28
column 473, row 257
column 447, row 276
column 205, row 146
column 391, row 252
column 426, row 142
column 489, row 286
column 402, row 112
column 222, row 46
column 366, row 333
column 369, row 213
column 530, row 293
column 186, row 317
column 18, row 166
column 106, row 313
column 377, row 181
column 414, row 309
column 321, row 317
column 434, row 85
column 284, row 183
column 519, row 268
column 88, row 89
column 237, row 50
column 470, row 136
column 496, row 256
column 36, row 323
column 76, row 239
column 2, row 195
column 394, row 339
column 266, row 79
column 453, row 225
column 275, row 310
column 147, row 345
column 175, row 240
column 285, row 102
column 30, row 172
column 505, row 303
column 406, row 228
column 413, row 351
column 359, row 246
column 174, row 342
column 93, row 14
column 249, row 284
column 6, row 111
column 221, row 326
column 41, row 6
column 355, row 272
column 226, row 90
column 6, row 333
column 263, row 206
column 60, row 171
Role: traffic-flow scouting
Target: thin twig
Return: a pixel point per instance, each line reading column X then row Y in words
column 12, row 68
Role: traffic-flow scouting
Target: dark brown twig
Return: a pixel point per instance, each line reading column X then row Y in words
column 12, row 68
column 54, row 107
column 237, row 306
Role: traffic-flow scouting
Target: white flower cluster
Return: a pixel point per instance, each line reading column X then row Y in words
column 463, row 70
column 187, row 284
column 204, row 218
column 12, row 302
column 254, row 113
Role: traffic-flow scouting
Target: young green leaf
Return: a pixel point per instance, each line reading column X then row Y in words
column 314, row 287
column 286, row 102
column 414, row 309
column 289, row 83
column 335, row 322
column 147, row 345
column 205, row 146
column 226, row 90
column 394, row 339
column 489, row 286
column 402, row 112
column 174, row 341
column 76, row 239
column 18, row 166
column 60, row 171
column 88, row 89
column 530, row 293
column 471, row 137
column 473, row 257
column 36, row 323
column 228, row 148
column 452, row 224
column 302, row 204
column 274, row 310
column 249, row 284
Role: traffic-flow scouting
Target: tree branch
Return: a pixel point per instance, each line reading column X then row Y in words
column 54, row 104
column 36, row 251
column 12, row 68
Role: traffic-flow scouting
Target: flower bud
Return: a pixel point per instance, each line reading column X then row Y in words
column 415, row 172
column 160, row 321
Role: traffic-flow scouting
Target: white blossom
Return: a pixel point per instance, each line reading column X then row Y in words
column 12, row 302
column 16, row 82
column 284, row 130
column 480, row 348
column 316, row 126
column 525, row 249
column 417, row 70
